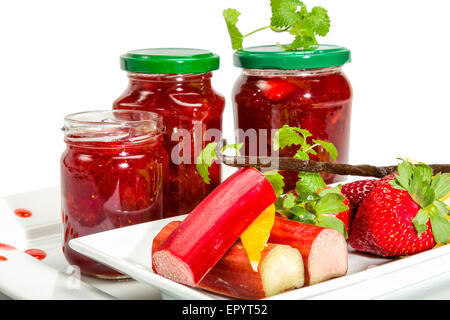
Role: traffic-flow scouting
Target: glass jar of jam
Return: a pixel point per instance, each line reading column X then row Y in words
column 111, row 176
column 305, row 89
column 176, row 83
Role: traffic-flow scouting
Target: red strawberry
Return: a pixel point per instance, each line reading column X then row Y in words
column 276, row 89
column 383, row 223
column 356, row 191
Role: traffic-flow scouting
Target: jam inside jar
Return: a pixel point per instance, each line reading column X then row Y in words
column 111, row 177
column 305, row 89
column 176, row 83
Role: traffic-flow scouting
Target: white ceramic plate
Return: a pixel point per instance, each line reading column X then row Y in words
column 24, row 277
column 129, row 251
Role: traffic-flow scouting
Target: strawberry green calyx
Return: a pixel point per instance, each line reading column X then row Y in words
column 287, row 16
column 426, row 190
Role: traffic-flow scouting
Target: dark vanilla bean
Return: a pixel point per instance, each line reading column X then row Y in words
column 292, row 164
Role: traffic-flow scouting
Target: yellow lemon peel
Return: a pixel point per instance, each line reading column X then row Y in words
column 255, row 237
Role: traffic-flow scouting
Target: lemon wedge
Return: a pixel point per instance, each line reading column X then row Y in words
column 255, row 237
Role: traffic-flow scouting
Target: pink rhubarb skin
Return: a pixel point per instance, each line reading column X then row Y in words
column 324, row 250
column 232, row 275
column 213, row 226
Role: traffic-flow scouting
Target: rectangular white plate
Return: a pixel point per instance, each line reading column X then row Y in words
column 129, row 251
column 23, row 277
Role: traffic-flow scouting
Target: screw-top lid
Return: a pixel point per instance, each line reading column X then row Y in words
column 274, row 57
column 169, row 61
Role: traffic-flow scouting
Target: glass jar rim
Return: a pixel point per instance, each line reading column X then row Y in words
column 124, row 126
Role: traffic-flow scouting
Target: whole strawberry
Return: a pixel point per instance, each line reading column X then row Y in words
column 402, row 214
column 356, row 191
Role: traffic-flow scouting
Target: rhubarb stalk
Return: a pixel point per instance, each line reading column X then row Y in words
column 324, row 250
column 281, row 269
column 213, row 227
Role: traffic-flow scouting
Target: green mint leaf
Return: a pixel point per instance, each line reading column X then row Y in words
column 318, row 21
column 441, row 185
column 289, row 201
column 420, row 222
column 333, row 223
column 331, row 203
column 235, row 146
column 287, row 136
column 299, row 213
column 405, row 172
column 309, row 182
column 328, row 147
column 205, row 160
column 276, row 180
column 308, row 149
column 279, row 205
column 300, row 42
column 284, row 13
column 301, row 155
column 231, row 18
column 304, row 132
column 337, row 189
column 440, row 225
column 306, row 197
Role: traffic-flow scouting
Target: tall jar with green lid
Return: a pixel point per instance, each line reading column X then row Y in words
column 176, row 83
column 305, row 89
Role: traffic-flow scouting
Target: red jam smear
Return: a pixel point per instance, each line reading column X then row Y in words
column 106, row 186
column 23, row 213
column 37, row 253
column 4, row 246
column 2, row 258
column 181, row 100
column 320, row 103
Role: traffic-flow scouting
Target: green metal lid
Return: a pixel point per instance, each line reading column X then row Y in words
column 274, row 57
column 169, row 61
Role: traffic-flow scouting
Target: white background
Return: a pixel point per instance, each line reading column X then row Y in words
column 58, row 57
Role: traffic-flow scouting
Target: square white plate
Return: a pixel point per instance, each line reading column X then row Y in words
column 128, row 250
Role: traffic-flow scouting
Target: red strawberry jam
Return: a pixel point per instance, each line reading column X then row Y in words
column 305, row 89
column 111, row 176
column 176, row 83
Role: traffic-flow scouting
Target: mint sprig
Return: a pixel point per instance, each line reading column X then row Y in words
column 287, row 16
column 208, row 155
column 315, row 208
column 288, row 136
column 311, row 203
column 426, row 191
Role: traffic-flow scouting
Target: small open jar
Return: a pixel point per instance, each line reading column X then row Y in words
column 111, row 176
column 305, row 89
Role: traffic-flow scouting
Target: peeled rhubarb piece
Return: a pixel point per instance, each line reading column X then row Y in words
column 324, row 250
column 213, row 226
column 281, row 268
